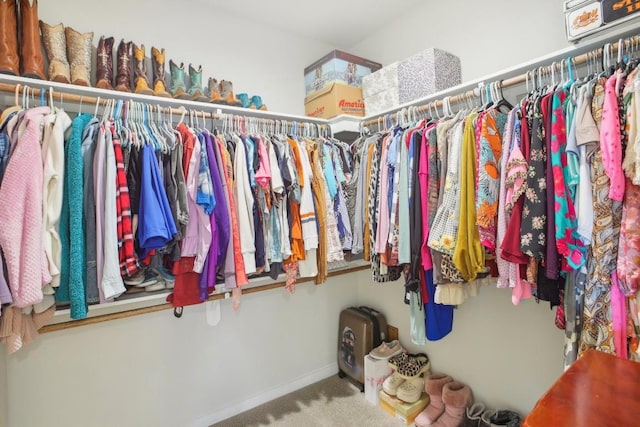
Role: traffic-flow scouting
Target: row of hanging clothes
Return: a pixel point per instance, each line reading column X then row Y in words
column 542, row 195
column 102, row 205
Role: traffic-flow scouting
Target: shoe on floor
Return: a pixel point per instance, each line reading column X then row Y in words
column 434, row 385
column 500, row 418
column 386, row 350
column 411, row 390
column 457, row 397
column 474, row 416
column 391, row 383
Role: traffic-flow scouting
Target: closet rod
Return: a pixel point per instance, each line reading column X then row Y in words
column 438, row 99
column 91, row 100
column 69, row 93
column 161, row 307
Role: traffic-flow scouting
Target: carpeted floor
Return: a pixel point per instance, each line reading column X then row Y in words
column 331, row 402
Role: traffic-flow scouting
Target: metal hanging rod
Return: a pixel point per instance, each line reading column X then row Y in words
column 512, row 77
column 95, row 96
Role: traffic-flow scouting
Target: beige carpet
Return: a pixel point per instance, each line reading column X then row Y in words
column 331, row 402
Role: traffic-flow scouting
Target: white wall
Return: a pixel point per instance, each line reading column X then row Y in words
column 486, row 35
column 508, row 355
column 158, row 370
column 258, row 59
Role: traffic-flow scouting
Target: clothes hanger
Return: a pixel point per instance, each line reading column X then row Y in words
column 501, row 100
column 155, row 129
column 95, row 111
column 166, row 126
column 14, row 108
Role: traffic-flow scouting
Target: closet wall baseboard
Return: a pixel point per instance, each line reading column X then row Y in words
column 269, row 395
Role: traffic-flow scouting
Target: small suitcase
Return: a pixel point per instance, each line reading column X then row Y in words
column 361, row 330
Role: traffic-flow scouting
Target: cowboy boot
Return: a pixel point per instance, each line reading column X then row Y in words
column 79, row 51
column 55, row 46
column 157, row 59
column 214, row 91
column 30, row 47
column 195, row 90
column 140, row 78
column 178, row 87
column 226, row 91
column 256, row 103
column 123, row 59
column 104, row 63
column 9, row 59
column 243, row 99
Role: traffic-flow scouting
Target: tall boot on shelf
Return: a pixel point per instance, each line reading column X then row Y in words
column 159, row 87
column 104, row 63
column 123, row 61
column 256, row 103
column 214, row 91
column 79, row 51
column 140, row 78
column 195, row 90
column 9, row 57
column 32, row 62
column 55, row 46
column 178, row 86
column 226, row 91
column 243, row 99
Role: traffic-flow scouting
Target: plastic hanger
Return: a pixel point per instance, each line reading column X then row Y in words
column 501, row 103
column 155, row 131
column 165, row 128
column 14, row 108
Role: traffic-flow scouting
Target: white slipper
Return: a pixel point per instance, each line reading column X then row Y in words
column 391, row 383
column 411, row 390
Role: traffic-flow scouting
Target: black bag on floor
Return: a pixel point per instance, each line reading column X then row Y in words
column 361, row 330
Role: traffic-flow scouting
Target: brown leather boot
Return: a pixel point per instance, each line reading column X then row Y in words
column 104, row 63
column 32, row 63
column 55, row 46
column 79, row 52
column 157, row 59
column 140, row 71
column 123, row 58
column 214, row 91
column 9, row 59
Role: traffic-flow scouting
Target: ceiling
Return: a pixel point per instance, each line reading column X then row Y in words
column 340, row 23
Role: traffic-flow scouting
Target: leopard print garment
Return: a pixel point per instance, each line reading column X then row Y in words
column 373, row 210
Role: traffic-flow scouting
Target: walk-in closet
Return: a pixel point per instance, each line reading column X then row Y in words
column 338, row 214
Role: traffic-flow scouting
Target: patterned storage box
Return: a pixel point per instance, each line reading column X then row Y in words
column 382, row 101
column 380, row 81
column 380, row 90
column 426, row 73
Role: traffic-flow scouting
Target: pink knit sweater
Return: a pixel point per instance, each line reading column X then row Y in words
column 21, row 214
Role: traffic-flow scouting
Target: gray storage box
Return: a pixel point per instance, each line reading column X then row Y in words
column 426, row 73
